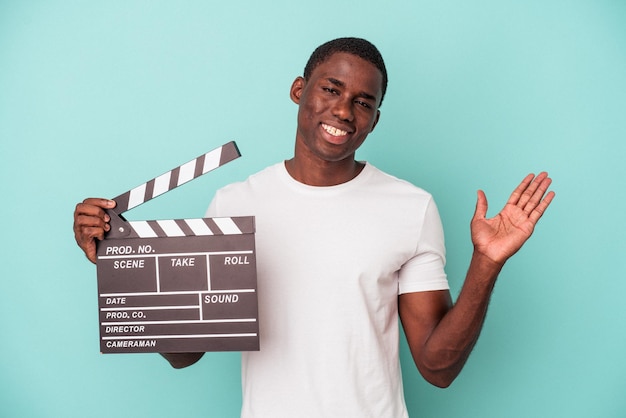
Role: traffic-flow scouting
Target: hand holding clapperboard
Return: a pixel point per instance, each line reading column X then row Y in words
column 184, row 285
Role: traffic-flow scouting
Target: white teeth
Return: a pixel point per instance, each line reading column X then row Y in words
column 333, row 131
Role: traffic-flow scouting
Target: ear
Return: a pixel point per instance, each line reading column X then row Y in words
column 376, row 120
column 296, row 89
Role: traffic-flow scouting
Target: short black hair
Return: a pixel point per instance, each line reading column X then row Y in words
column 355, row 46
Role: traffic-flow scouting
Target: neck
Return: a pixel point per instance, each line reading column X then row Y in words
column 323, row 173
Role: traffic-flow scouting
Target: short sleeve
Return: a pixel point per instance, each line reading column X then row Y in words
column 425, row 271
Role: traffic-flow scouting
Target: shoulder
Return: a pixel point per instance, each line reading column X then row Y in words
column 382, row 182
column 263, row 178
column 240, row 198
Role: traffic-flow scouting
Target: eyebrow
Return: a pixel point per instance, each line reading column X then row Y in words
column 340, row 83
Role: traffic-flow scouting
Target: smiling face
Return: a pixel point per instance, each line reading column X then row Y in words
column 338, row 108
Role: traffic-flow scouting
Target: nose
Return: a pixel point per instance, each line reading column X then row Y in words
column 343, row 109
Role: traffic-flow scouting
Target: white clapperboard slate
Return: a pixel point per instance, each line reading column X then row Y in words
column 184, row 285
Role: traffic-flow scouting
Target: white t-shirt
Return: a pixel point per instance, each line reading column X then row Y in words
column 331, row 262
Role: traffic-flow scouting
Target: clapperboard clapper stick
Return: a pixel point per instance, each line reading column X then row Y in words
column 177, row 285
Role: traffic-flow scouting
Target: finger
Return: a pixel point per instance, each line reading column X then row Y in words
column 531, row 189
column 90, row 251
column 538, row 212
column 87, row 234
column 91, row 223
column 82, row 221
column 86, row 241
column 481, row 206
column 91, row 254
column 93, row 207
column 538, row 194
column 100, row 202
column 519, row 190
column 87, row 229
column 91, row 213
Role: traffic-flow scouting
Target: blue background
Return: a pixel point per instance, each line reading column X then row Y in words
column 98, row 97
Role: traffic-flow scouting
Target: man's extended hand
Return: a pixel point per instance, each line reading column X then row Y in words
column 91, row 223
column 503, row 235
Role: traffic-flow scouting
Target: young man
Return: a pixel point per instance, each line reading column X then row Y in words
column 343, row 250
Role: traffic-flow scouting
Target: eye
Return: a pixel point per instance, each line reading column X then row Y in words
column 330, row 90
column 361, row 103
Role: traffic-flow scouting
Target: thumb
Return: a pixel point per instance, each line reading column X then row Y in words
column 481, row 206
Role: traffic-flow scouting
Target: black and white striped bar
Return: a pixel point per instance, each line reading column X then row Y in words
column 176, row 177
column 192, row 227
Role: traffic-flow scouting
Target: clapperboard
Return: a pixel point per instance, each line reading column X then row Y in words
column 182, row 285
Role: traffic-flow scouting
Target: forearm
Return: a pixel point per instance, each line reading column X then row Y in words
column 181, row 360
column 445, row 352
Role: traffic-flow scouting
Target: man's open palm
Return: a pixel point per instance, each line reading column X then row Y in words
column 503, row 235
